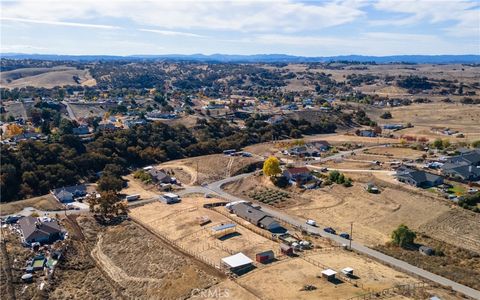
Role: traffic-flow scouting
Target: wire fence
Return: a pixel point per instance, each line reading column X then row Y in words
column 398, row 289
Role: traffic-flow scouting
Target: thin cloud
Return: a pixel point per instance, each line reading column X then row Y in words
column 172, row 33
column 60, row 23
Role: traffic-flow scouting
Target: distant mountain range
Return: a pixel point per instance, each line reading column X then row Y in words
column 259, row 58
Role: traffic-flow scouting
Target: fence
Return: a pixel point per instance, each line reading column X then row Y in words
column 390, row 291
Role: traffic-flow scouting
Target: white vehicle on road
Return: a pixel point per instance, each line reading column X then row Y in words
column 311, row 223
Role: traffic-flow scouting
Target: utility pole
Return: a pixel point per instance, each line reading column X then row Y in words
column 351, row 235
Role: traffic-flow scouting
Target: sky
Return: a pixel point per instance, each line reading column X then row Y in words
column 305, row 28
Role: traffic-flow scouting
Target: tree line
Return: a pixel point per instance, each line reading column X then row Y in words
column 35, row 167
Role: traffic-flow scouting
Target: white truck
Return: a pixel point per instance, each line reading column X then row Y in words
column 311, row 223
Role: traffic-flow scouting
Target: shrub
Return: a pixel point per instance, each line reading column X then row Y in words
column 403, row 236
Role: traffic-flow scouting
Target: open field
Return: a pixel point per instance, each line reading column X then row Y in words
column 457, row 264
column 46, row 202
column 147, row 268
column 463, row 118
column 210, row 167
column 375, row 216
column 85, row 111
column 46, row 77
column 179, row 223
column 15, row 109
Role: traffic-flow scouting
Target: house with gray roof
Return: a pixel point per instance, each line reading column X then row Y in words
column 40, row 230
column 160, row 176
column 418, row 178
column 69, row 193
column 257, row 217
column 465, row 166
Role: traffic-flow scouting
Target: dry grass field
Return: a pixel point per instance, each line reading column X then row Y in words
column 375, row 216
column 463, row 118
column 210, row 167
column 85, row 111
column 46, row 202
column 15, row 109
column 45, row 77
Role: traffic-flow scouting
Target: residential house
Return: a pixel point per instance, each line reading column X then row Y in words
column 41, row 230
column 256, row 216
column 69, row 193
column 465, row 166
column 366, row 133
column 418, row 178
column 302, row 173
column 159, row 176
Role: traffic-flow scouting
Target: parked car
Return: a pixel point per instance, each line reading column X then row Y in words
column 311, row 223
column 344, row 235
column 329, row 230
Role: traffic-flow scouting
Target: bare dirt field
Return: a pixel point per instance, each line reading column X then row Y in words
column 210, row 167
column 179, row 223
column 46, row 77
column 46, row 202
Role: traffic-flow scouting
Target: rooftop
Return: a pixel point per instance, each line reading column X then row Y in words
column 237, row 260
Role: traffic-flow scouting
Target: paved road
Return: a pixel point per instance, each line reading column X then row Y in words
column 216, row 188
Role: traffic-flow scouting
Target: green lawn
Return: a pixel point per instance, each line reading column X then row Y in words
column 457, row 190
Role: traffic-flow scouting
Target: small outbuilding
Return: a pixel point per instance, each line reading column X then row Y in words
column 170, row 198
column 286, row 249
column 348, row 271
column 265, row 256
column 329, row 274
column 238, row 263
column 223, row 230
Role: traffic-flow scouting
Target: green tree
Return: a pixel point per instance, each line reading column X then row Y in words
column 108, row 182
column 476, row 144
column 403, row 236
column 107, row 206
column 438, row 143
column 333, row 176
column 271, row 166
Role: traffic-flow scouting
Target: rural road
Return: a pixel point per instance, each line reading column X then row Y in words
column 216, row 187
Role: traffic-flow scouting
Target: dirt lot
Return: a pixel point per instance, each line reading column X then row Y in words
column 46, row 202
column 210, row 167
column 179, row 223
